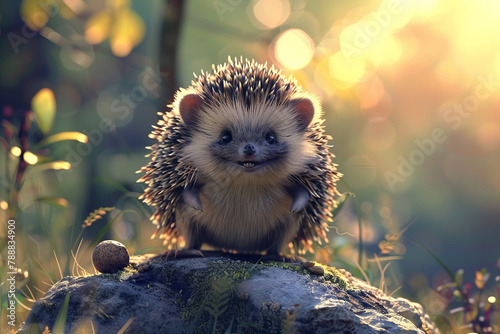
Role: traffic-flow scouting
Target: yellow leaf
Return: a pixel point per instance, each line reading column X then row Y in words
column 118, row 4
column 43, row 105
column 127, row 32
column 68, row 13
column 97, row 27
column 386, row 247
column 68, row 135
column 54, row 201
column 55, row 165
column 479, row 280
column 33, row 14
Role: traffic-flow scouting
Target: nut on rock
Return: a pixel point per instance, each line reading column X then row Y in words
column 110, row 256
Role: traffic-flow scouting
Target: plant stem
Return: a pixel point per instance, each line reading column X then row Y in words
column 21, row 167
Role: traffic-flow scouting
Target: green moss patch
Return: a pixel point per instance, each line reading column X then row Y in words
column 209, row 300
column 331, row 275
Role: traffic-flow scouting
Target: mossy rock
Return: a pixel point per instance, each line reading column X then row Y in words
column 224, row 294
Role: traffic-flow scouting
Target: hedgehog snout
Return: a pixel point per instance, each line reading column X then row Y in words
column 249, row 150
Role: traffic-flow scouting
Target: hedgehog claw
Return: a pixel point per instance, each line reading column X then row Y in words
column 191, row 196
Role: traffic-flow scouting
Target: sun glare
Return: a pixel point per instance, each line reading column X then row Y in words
column 294, row 49
column 347, row 69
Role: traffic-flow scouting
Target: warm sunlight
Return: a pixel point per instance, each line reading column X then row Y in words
column 271, row 13
column 294, row 49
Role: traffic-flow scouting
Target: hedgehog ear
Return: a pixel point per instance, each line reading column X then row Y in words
column 304, row 109
column 189, row 108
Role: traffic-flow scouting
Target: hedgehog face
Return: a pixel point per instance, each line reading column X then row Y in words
column 257, row 142
column 249, row 150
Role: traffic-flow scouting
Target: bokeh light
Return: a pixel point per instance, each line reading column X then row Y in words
column 271, row 13
column 294, row 49
column 97, row 27
column 33, row 14
column 423, row 8
column 127, row 31
column 124, row 27
column 488, row 136
column 371, row 91
column 30, row 158
column 386, row 52
column 15, row 151
column 348, row 70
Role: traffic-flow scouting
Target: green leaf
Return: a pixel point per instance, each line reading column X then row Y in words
column 61, row 317
column 459, row 277
column 43, row 105
column 441, row 263
column 229, row 329
column 58, row 201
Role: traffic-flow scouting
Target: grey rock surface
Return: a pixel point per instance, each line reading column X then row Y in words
column 200, row 295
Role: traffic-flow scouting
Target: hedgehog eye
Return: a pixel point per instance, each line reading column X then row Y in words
column 271, row 138
column 226, row 137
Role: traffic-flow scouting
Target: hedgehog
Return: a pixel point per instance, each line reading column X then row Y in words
column 241, row 163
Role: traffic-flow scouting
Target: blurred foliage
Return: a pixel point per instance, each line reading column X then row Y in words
column 478, row 310
column 44, row 107
column 410, row 93
column 124, row 27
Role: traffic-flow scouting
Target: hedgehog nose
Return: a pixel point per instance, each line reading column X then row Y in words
column 249, row 150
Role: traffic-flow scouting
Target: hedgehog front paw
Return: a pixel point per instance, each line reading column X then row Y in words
column 300, row 198
column 181, row 253
column 191, row 196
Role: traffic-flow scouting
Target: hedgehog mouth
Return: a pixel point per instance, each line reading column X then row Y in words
column 252, row 166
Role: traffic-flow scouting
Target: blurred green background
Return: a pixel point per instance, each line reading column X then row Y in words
column 410, row 91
